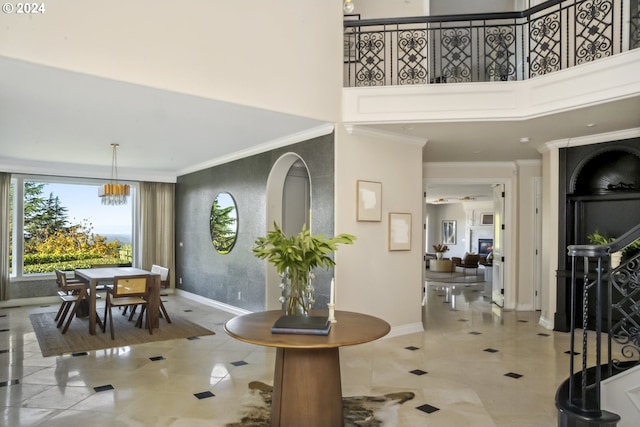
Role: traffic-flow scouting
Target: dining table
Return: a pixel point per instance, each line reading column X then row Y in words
column 107, row 274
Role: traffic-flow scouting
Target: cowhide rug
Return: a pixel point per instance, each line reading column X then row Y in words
column 359, row 411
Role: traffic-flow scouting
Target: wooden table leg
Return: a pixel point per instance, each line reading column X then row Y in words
column 153, row 303
column 92, row 306
column 307, row 390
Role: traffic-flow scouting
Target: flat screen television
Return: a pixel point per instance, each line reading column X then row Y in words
column 485, row 246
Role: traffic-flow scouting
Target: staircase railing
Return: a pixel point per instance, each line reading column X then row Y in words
column 554, row 35
column 614, row 291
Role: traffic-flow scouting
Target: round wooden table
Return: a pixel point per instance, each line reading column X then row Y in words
column 306, row 385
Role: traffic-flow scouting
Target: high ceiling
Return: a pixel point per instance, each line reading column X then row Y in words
column 51, row 115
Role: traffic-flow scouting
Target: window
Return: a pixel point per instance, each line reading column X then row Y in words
column 61, row 223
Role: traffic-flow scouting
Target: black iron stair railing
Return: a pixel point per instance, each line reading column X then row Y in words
column 614, row 291
column 554, row 35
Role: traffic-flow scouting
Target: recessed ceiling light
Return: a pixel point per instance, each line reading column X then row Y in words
column 590, row 125
column 524, row 140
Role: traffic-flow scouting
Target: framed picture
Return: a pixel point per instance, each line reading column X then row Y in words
column 369, row 201
column 486, row 218
column 448, row 232
column 399, row 231
column 350, row 39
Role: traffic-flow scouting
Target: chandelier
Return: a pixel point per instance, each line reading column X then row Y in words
column 113, row 193
column 348, row 6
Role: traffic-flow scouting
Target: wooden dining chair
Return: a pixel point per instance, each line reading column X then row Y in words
column 72, row 292
column 127, row 291
column 164, row 283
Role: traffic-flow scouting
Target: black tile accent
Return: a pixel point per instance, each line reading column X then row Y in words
column 418, row 372
column 427, row 408
column 491, row 350
column 8, row 383
column 475, row 333
column 203, row 394
column 4, row 330
column 542, row 334
column 3, row 315
column 8, row 350
column 575, row 353
column 83, row 353
column 463, row 320
column 523, row 321
column 239, row 363
column 412, row 348
column 156, row 358
column 103, row 388
column 193, row 338
column 188, row 310
column 513, row 375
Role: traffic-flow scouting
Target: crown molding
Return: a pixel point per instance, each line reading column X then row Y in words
column 590, row 139
column 306, row 135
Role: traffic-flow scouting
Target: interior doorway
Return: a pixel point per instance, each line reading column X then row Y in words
column 288, row 204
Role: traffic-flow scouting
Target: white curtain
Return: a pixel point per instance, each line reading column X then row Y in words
column 5, row 186
column 157, row 237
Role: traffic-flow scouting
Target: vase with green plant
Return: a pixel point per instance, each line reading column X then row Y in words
column 294, row 258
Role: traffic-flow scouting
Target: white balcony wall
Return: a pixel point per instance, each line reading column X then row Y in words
column 283, row 56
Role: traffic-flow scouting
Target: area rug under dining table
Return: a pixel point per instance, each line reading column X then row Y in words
column 77, row 339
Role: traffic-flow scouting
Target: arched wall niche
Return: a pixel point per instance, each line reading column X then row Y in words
column 607, row 171
column 274, row 213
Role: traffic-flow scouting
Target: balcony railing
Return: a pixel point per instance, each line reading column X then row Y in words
column 614, row 291
column 487, row 47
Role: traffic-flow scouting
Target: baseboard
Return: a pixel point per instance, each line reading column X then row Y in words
column 20, row 302
column 212, row 303
column 410, row 328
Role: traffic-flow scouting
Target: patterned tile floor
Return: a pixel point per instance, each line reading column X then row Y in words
column 474, row 365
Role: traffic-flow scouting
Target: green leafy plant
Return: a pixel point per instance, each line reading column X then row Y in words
column 298, row 255
column 598, row 238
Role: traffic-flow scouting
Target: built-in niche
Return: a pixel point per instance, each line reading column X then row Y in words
column 600, row 190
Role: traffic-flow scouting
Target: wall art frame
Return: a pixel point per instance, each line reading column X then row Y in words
column 369, row 201
column 449, row 232
column 399, row 231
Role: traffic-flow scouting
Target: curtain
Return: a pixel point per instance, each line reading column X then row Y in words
column 5, row 186
column 156, row 238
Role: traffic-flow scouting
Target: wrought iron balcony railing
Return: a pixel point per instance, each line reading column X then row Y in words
column 605, row 299
column 554, row 35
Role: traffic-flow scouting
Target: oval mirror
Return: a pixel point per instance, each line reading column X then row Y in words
column 223, row 223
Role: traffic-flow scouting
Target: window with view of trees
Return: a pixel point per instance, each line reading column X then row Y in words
column 62, row 224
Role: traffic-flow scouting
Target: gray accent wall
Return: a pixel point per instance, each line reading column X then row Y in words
column 238, row 278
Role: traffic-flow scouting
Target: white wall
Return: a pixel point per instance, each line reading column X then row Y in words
column 370, row 278
column 283, row 56
column 372, row 9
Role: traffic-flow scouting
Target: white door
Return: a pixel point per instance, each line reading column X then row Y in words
column 497, row 294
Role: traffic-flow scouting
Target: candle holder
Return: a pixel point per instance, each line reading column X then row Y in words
column 332, row 313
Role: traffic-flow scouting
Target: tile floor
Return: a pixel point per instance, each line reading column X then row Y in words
column 473, row 366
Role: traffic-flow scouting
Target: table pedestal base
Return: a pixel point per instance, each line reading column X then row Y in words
column 306, row 389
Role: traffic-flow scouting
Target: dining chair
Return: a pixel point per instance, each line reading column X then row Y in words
column 164, row 283
column 127, row 291
column 72, row 292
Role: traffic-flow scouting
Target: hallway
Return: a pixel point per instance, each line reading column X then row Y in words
column 471, row 367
